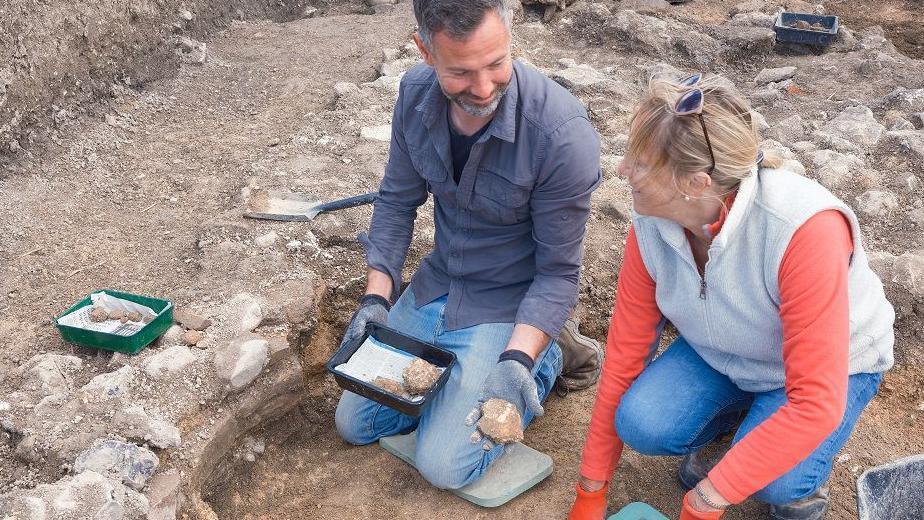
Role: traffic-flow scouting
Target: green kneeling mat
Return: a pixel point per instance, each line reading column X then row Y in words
column 517, row 470
column 638, row 511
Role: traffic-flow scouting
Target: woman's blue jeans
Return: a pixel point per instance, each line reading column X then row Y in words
column 445, row 454
column 679, row 404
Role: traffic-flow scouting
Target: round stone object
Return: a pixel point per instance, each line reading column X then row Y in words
column 500, row 421
column 419, row 376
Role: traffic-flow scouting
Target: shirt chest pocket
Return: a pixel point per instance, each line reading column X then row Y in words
column 431, row 169
column 499, row 200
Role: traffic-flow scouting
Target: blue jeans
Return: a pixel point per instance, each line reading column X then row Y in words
column 445, row 454
column 679, row 404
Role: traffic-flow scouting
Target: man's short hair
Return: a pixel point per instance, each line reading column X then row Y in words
column 459, row 18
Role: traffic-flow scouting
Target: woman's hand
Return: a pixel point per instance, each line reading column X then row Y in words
column 696, row 507
column 590, row 503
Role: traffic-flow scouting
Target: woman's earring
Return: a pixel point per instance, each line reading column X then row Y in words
column 686, row 198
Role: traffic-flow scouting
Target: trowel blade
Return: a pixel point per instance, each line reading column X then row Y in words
column 279, row 205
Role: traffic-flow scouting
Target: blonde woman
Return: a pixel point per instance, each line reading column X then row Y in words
column 784, row 330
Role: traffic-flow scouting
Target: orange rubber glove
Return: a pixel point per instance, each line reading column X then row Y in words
column 589, row 505
column 688, row 513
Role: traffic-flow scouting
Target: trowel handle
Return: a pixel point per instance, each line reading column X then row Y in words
column 351, row 202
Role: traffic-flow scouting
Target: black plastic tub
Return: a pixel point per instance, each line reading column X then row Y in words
column 785, row 33
column 430, row 353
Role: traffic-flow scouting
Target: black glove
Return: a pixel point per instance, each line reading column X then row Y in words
column 372, row 309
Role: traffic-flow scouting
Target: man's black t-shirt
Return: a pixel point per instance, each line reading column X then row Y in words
column 461, row 146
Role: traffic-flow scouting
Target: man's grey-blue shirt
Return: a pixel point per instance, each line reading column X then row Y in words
column 508, row 242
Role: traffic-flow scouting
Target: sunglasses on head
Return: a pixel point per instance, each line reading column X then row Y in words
column 691, row 102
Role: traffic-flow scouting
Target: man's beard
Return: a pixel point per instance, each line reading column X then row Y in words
column 479, row 110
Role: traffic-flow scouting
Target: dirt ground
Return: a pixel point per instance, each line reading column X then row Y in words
column 132, row 195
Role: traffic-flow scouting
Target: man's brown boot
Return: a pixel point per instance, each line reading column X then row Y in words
column 582, row 359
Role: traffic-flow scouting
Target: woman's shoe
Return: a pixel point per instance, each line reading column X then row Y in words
column 812, row 507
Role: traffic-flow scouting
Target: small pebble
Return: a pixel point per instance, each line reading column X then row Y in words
column 192, row 337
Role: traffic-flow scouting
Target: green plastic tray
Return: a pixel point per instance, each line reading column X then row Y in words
column 125, row 344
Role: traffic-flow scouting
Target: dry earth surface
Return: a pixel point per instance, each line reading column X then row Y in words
column 141, row 185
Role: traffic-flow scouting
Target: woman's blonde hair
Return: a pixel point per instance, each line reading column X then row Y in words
column 675, row 143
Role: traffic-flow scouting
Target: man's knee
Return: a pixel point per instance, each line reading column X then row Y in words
column 450, row 467
column 350, row 424
column 640, row 425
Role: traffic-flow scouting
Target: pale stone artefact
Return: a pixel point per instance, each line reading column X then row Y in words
column 419, row 376
column 501, row 422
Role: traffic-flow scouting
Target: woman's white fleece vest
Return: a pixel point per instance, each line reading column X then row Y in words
column 731, row 315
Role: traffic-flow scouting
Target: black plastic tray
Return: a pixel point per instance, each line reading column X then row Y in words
column 785, row 33
column 431, row 353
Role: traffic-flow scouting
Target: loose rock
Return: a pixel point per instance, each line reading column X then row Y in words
column 136, row 423
column 164, row 495
column 191, row 320
column 788, row 130
column 122, row 462
column 877, row 203
column 376, row 133
column 342, row 88
column 242, row 360
column 881, row 262
column 110, row 385
column 904, row 99
column 174, row 335
column 804, row 146
column 49, row 374
column 775, row 75
column 243, row 313
column 191, row 51
column 267, row 240
column 855, row 125
column 908, row 271
column 894, row 120
column 578, row 77
column 833, row 168
column 753, row 20
column 501, row 422
column 419, row 376
column 85, row 495
column 170, row 361
column 910, row 142
column 917, row 216
column 28, row 450
column 192, row 337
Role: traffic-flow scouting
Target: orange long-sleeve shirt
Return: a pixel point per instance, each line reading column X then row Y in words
column 816, row 328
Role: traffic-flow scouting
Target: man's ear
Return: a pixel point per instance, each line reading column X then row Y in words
column 424, row 51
